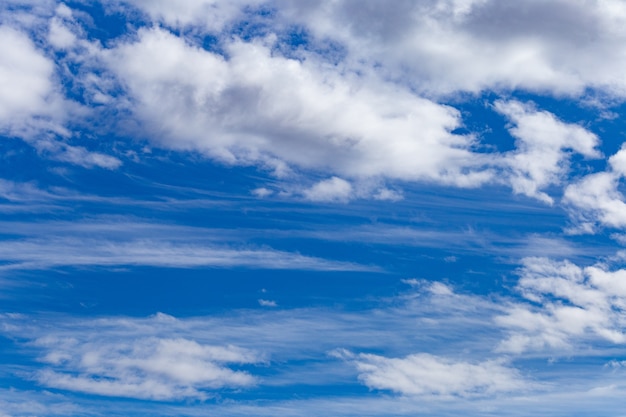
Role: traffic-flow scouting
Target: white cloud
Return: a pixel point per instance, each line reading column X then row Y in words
column 207, row 15
column 57, row 252
column 541, row 158
column 445, row 46
column 256, row 107
column 570, row 304
column 151, row 368
column 76, row 155
column 32, row 104
column 27, row 92
column 595, row 200
column 333, row 189
column 18, row 403
column 132, row 356
column 60, row 36
column 424, row 375
column 130, row 243
column 267, row 303
column 262, row 192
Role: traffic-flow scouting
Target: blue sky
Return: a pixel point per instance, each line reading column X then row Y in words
column 342, row 208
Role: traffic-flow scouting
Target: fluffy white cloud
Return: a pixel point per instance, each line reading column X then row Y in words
column 333, row 189
column 32, row 105
column 571, row 304
column 445, row 46
column 596, row 200
column 543, row 142
column 152, row 368
column 27, row 92
column 425, row 374
column 257, row 107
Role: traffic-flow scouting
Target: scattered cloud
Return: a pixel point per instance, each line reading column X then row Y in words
column 595, row 200
column 425, row 375
column 567, row 305
column 541, row 157
column 153, row 368
column 267, row 303
column 333, row 189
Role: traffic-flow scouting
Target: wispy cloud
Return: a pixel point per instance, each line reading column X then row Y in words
column 58, row 252
column 434, row 350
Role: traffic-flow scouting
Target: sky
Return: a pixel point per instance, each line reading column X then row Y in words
column 323, row 207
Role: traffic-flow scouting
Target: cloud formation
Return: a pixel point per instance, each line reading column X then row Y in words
column 425, row 375
column 446, row 46
column 149, row 368
column 568, row 305
column 595, row 200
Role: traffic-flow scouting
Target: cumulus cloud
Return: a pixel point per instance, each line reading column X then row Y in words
column 363, row 118
column 445, row 46
column 568, row 303
column 32, row 102
column 541, row 157
column 425, row 374
column 595, row 200
column 257, row 107
column 28, row 98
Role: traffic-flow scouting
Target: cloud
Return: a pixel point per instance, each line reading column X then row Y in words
column 151, row 368
column 568, row 304
column 263, row 351
column 424, row 374
column 207, row 15
column 29, row 101
column 257, row 107
column 120, row 242
column 358, row 120
column 446, row 46
column 333, row 189
column 19, row 403
column 59, row 252
column 267, row 303
column 595, row 200
column 33, row 106
column 541, row 157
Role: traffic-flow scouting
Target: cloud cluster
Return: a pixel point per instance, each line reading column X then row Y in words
column 445, row 46
column 567, row 305
column 372, row 114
